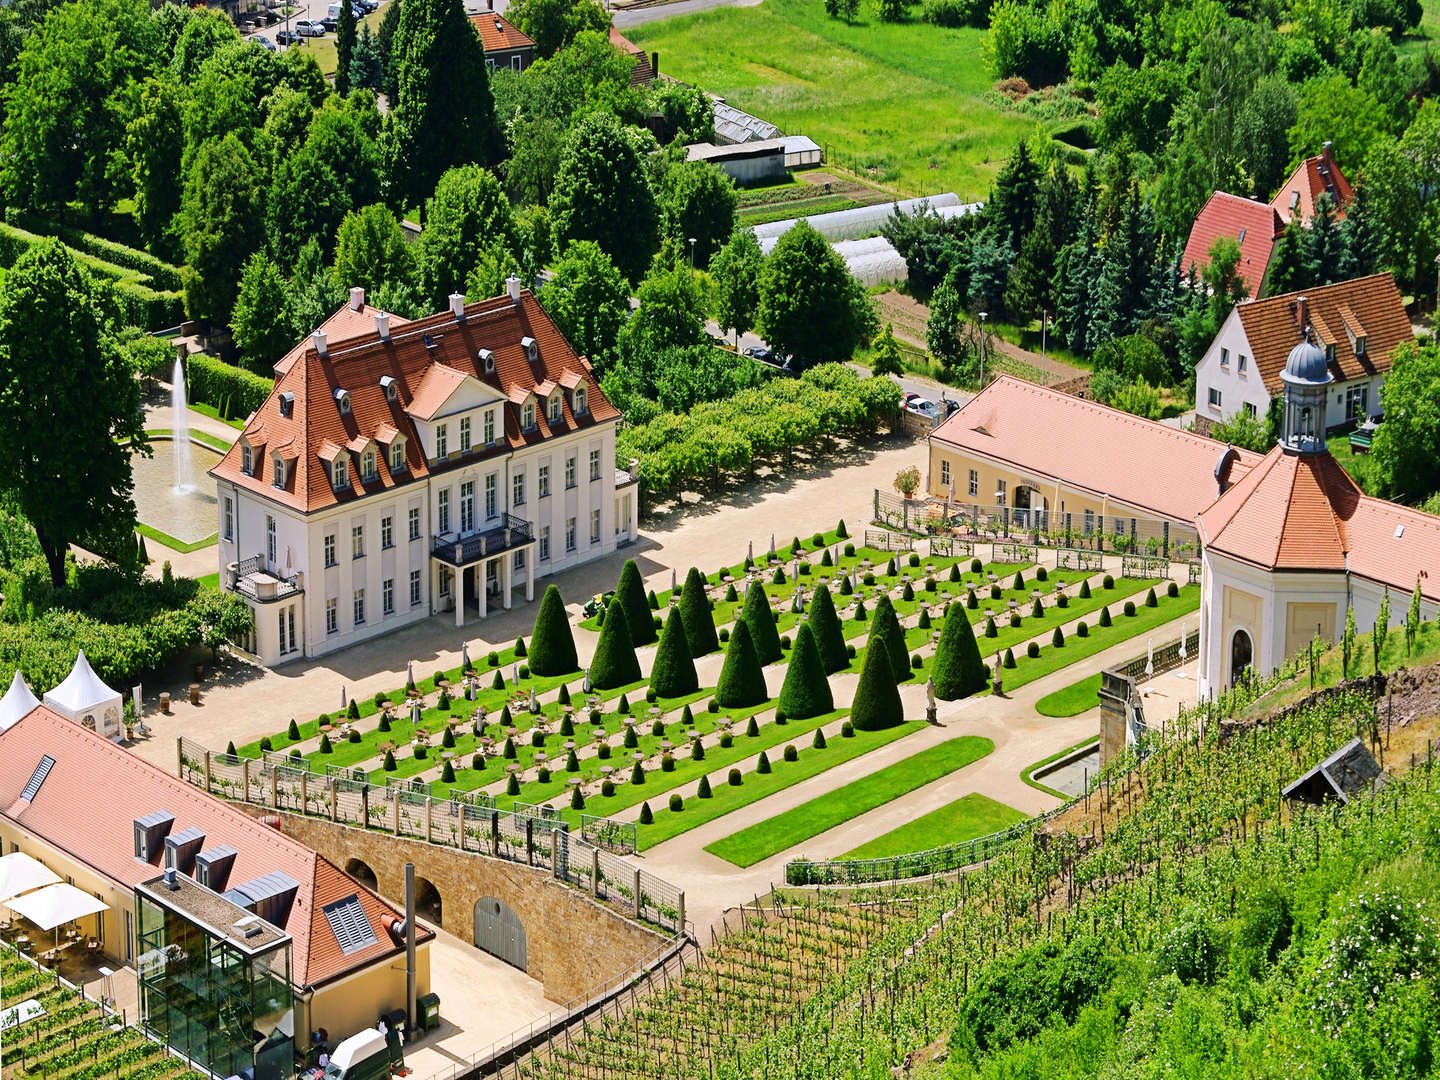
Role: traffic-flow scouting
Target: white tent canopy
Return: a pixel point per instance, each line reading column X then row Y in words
column 19, row 873
column 55, row 905
column 86, row 700
column 17, row 702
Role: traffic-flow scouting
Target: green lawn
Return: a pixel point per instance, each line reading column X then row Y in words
column 1071, row 700
column 214, row 414
column 152, row 533
column 904, row 105
column 766, row 838
column 966, row 818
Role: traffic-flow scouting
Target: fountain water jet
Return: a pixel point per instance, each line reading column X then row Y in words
column 180, row 429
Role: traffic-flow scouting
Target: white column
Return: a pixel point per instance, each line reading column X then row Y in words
column 530, row 556
column 459, row 591
column 507, row 575
column 480, row 584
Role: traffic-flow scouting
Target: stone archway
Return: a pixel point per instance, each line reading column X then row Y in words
column 499, row 932
column 361, row 872
column 428, row 904
column 1242, row 655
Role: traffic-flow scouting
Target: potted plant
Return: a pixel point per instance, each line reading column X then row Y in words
column 907, row 481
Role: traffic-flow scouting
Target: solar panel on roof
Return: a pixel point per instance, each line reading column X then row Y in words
column 37, row 778
column 350, row 925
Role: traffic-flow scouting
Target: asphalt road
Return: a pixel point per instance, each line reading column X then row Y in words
column 637, row 16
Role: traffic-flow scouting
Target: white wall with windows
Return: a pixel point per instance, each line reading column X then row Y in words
column 1226, row 381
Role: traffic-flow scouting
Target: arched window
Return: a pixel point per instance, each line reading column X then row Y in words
column 279, row 468
column 1241, row 656
column 367, row 463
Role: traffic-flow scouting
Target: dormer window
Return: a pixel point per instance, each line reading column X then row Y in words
column 582, row 405
column 339, row 473
column 1330, row 353
column 247, row 460
column 487, row 361
column 532, row 350
column 287, row 403
column 397, row 454
column 367, row 464
column 527, row 415
column 555, row 407
column 390, row 387
column 342, row 401
column 1359, row 346
column 278, row 466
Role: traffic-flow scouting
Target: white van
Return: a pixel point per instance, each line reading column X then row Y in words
column 333, row 11
column 363, row 1056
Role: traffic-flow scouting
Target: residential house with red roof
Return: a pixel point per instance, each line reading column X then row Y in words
column 410, row 468
column 1358, row 324
column 1253, row 225
column 1313, row 177
column 506, row 46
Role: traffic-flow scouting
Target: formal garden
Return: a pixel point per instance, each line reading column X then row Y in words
column 616, row 748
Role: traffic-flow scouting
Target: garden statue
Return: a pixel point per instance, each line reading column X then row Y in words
column 415, row 711
column 343, row 702
column 587, row 680
column 672, row 581
column 534, row 702
column 930, row 699
column 772, row 543
column 464, row 656
column 515, row 673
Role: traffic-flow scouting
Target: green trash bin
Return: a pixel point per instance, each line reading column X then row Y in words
column 428, row 1006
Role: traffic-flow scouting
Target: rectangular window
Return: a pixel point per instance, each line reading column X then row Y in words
column 974, row 483
column 1357, row 402
column 342, row 473
column 387, row 596
column 944, row 473
column 290, row 611
column 594, row 464
column 387, row 532
column 1225, row 358
column 467, row 506
column 442, row 511
column 332, row 616
column 329, row 546
column 464, row 434
column 414, row 587
column 555, row 408
column 594, row 526
column 442, row 440
column 489, row 426
column 1249, row 408
column 542, row 481
column 1244, row 364
column 544, row 543
column 359, row 607
column 284, row 648
column 1089, row 522
column 229, row 518
column 1214, row 397
column 517, row 490
column 520, row 559
column 367, row 464
column 414, row 523
column 270, row 539
column 527, row 415
column 357, row 542
column 444, row 582
column 491, row 509
column 397, row 456
column 570, row 471
column 570, row 534
column 1001, row 488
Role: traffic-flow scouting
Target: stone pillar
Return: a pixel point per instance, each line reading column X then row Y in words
column 460, row 596
column 507, row 576
column 530, row 557
column 480, row 587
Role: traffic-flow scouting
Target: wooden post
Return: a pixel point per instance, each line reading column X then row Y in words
column 595, row 872
column 555, row 852
column 334, row 800
column 529, row 841
column 637, row 892
column 304, row 792
column 495, row 833
column 365, row 806
column 207, row 772
column 395, row 812
column 429, row 819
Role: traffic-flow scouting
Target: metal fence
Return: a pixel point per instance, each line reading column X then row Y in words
column 532, row 835
column 888, row 541
column 951, row 547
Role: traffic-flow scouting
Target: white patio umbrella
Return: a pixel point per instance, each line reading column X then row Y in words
column 49, row 908
column 19, row 873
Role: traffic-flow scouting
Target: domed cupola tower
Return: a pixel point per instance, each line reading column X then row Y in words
column 1306, row 380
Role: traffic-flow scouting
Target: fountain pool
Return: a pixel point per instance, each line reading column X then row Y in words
column 187, row 513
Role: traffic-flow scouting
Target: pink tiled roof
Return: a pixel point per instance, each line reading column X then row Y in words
column 1254, row 225
column 1313, row 177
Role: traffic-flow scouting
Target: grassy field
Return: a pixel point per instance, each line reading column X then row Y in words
column 323, row 48
column 766, row 838
column 1071, row 700
column 901, row 104
column 964, row 819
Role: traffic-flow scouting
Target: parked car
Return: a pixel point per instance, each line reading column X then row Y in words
column 264, row 43
column 924, row 407
column 288, row 37
column 910, row 395
column 309, row 28
column 759, row 352
column 330, row 24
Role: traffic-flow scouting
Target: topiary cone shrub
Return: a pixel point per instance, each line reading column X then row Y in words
column 954, row 572
column 614, row 663
column 637, row 774
column 819, row 741
column 741, row 681
column 703, row 791
column 498, row 683
column 841, row 532
column 577, row 800
column 630, row 591
column 730, row 594
column 552, row 645
column 389, row 761
column 778, row 578
column 230, row 748
column 752, row 729
column 512, row 786
column 1105, row 616
column 1019, row 583
column 509, row 751
column 1009, row 658
column 631, row 739
column 890, row 570
column 762, row 763
column 293, row 731
column 757, row 615
column 990, row 630
column 652, row 600
column 1085, row 590
column 325, row 744
column 695, row 614
column 673, row 673
column 697, row 751
column 923, row 622
column 384, row 724
column 958, row 670
column 567, row 726
column 877, row 697
column 825, row 559
column 860, row 611
column 972, row 602
column 845, row 587
column 1150, row 600
column 443, row 701
column 885, row 628
column 447, row 739
column 1036, row 611
column 1057, row 639
column 806, row 692
column 572, row 763
column 447, row 774
column 646, row 817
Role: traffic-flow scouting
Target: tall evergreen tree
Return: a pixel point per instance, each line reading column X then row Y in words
column 1364, row 244
column 389, row 57
column 614, row 663
column 630, row 591
column 885, row 632
column 1075, row 272
column 959, row 671
column 757, row 615
column 445, row 115
column 1287, row 271
column 825, row 626
column 1322, row 245
column 1031, row 287
column 806, row 692
column 876, row 704
column 1014, row 198
column 741, row 681
column 695, row 613
column 367, row 63
column 673, row 672
column 552, row 644
column 344, row 47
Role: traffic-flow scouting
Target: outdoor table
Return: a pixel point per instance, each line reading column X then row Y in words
column 692, row 734
column 606, row 770
column 514, row 768
column 574, row 781
column 666, row 745
column 598, row 734
column 540, row 756
column 638, row 755
column 654, row 711
column 570, row 744
column 629, row 721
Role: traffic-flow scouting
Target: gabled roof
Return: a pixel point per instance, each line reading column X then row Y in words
column 1313, row 177
column 1351, row 770
column 1368, row 307
column 498, row 34
column 349, row 321
column 89, row 769
column 1302, row 512
column 1254, row 225
column 421, row 357
column 1092, row 448
column 644, row 73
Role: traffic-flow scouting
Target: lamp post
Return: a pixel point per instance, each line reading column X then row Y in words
column 692, row 253
column 983, row 316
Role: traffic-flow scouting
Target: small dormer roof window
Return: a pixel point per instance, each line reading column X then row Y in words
column 1360, row 345
column 287, row 403
column 278, row 464
column 247, row 460
column 581, row 404
column 487, row 361
column 340, row 473
column 1295, row 199
column 342, row 401
column 532, row 350
column 390, row 386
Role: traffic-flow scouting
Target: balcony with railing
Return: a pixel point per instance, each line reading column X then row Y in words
column 261, row 581
column 463, row 549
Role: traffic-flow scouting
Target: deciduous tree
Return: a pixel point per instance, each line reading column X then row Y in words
column 811, row 310
column 468, row 213
column 602, row 193
column 371, row 251
column 221, row 223
column 259, row 324
column 588, row 299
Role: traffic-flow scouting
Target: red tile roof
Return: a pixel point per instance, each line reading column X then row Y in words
column 94, row 792
column 350, row 321
column 1253, row 225
column 1368, row 307
column 1303, row 512
column 498, row 34
column 1312, row 177
column 644, row 73
column 1090, row 447
column 411, row 356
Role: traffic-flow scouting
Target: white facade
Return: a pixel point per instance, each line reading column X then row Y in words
column 1227, row 382
column 322, row 581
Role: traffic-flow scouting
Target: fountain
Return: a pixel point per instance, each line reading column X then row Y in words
column 180, row 430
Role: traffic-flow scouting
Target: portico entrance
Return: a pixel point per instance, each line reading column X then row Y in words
column 484, row 564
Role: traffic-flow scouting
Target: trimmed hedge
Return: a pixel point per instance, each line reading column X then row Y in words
column 163, row 275
column 877, row 697
column 756, row 614
column 614, row 663
column 806, row 692
column 695, row 614
column 630, row 591
column 233, row 391
column 958, row 671
column 885, row 630
column 552, row 645
column 673, row 673
column 741, row 682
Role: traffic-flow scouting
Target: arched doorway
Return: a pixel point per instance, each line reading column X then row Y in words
column 427, row 900
column 1241, row 655
column 498, row 931
column 361, row 872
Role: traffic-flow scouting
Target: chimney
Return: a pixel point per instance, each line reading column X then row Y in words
column 655, row 65
column 457, row 305
column 318, row 340
column 382, row 325
column 357, row 298
column 1302, row 313
column 512, row 286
